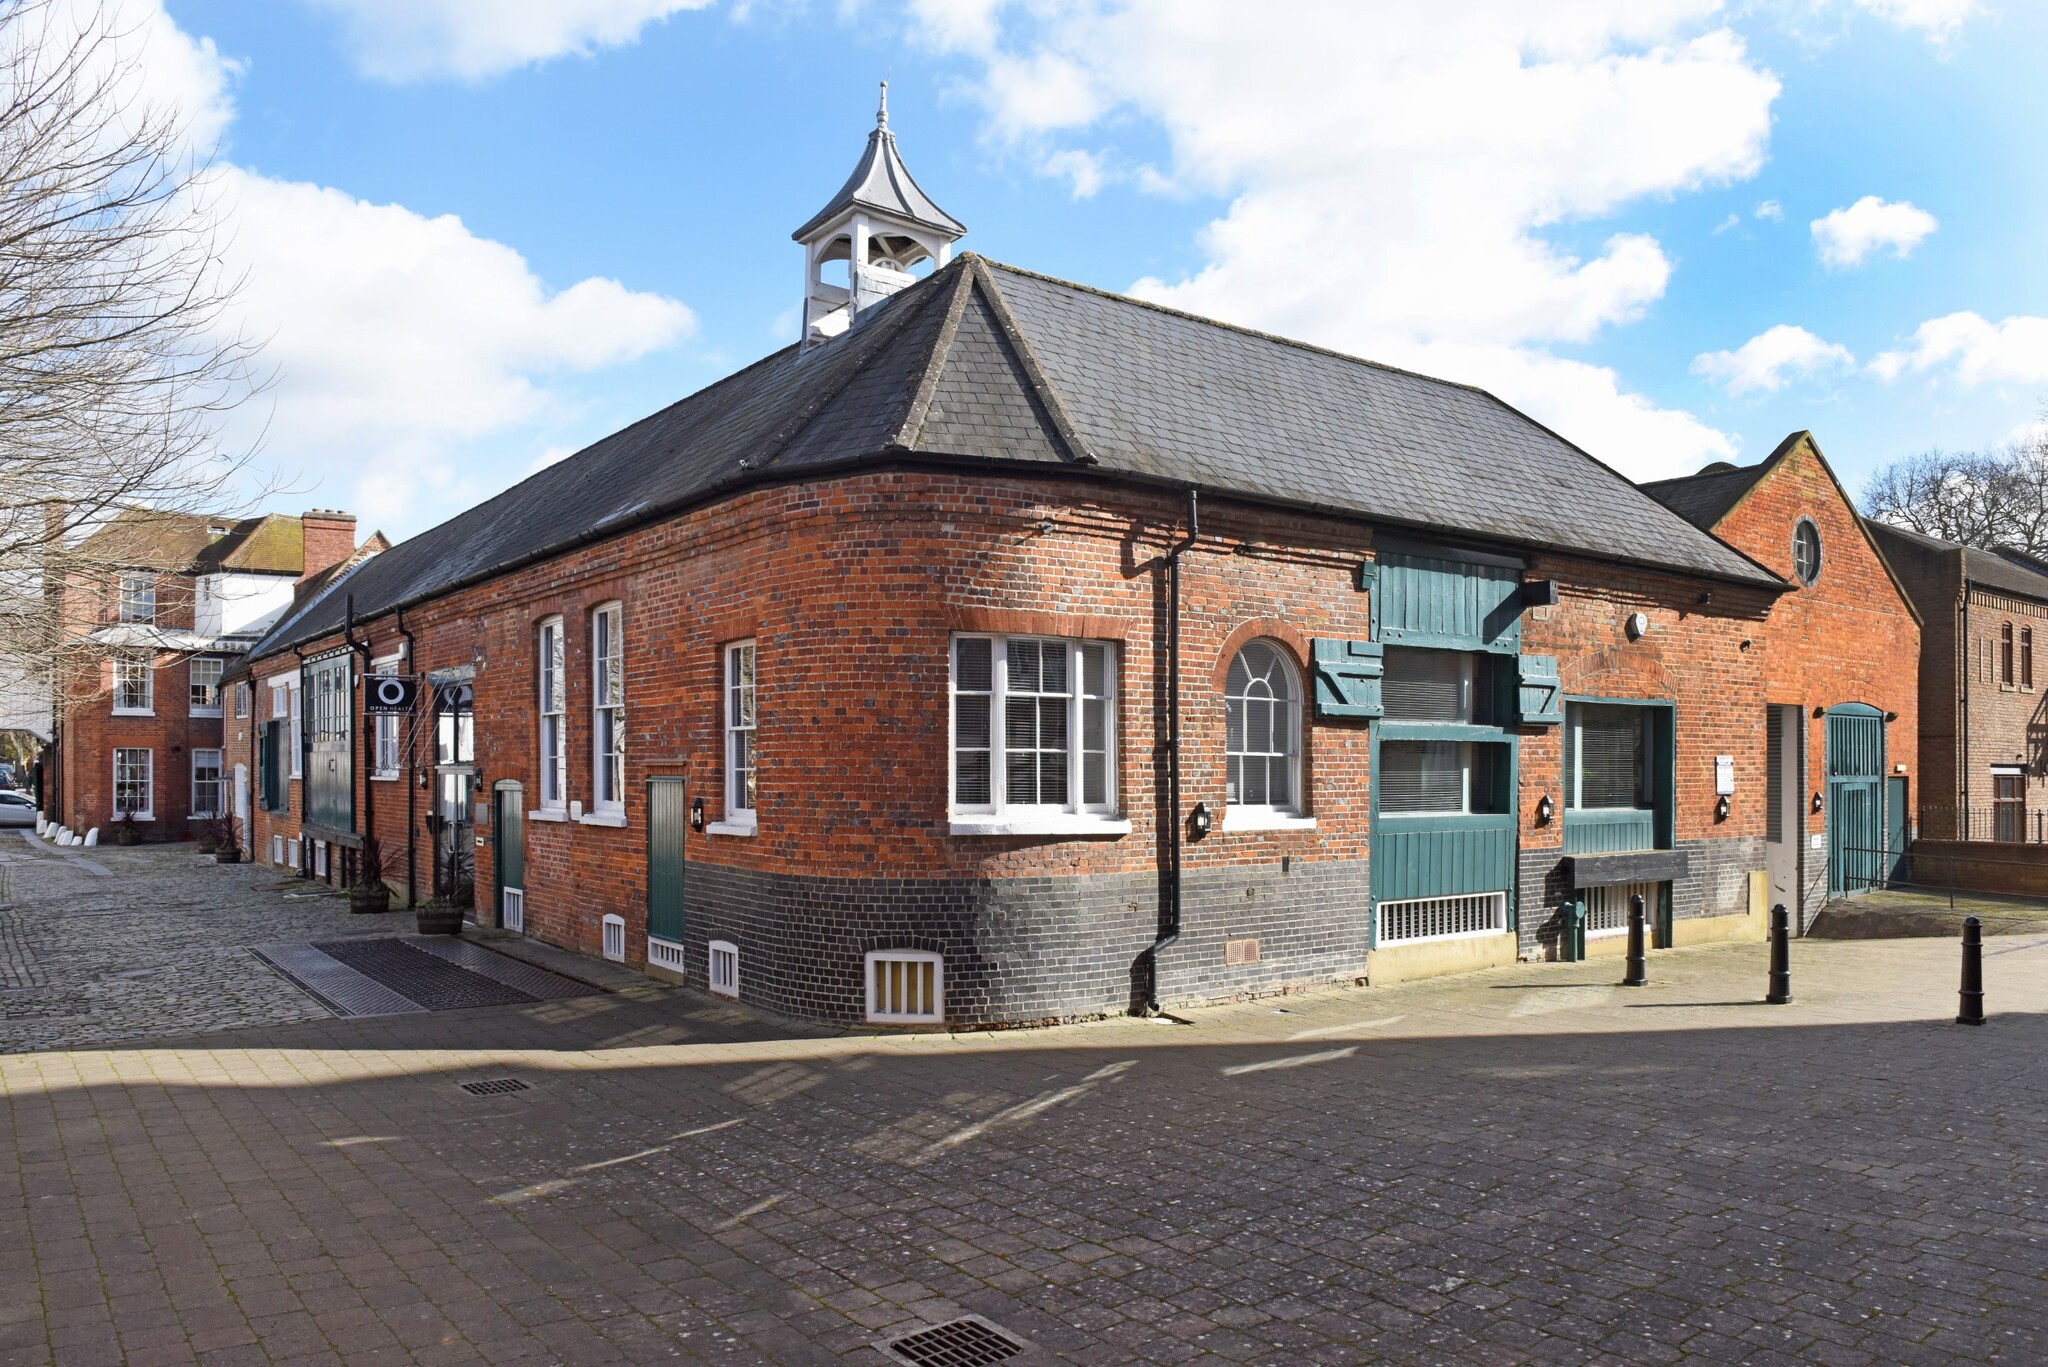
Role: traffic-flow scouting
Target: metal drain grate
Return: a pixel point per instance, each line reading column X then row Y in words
column 494, row 1086
column 967, row 1342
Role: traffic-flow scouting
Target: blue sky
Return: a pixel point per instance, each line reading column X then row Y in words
column 482, row 233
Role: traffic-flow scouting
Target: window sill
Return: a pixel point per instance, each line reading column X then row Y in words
column 203, row 714
column 1064, row 824
column 548, row 814
column 135, row 712
column 740, row 828
column 615, row 820
column 1241, row 819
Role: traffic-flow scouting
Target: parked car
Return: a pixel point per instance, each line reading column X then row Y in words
column 17, row 809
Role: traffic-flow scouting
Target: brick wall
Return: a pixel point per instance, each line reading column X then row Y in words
column 852, row 589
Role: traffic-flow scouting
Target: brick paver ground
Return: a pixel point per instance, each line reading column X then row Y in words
column 1527, row 1165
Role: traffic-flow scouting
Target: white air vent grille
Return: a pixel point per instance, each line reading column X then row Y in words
column 319, row 858
column 723, row 972
column 1607, row 908
column 906, row 987
column 1442, row 918
column 277, row 849
column 615, row 939
column 665, row 954
column 291, row 852
column 515, row 910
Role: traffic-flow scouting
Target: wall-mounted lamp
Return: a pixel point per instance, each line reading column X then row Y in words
column 1816, row 802
column 696, row 813
column 1721, row 808
column 1638, row 626
column 1706, row 597
column 1198, row 820
column 1891, row 716
column 1819, row 712
column 1545, row 810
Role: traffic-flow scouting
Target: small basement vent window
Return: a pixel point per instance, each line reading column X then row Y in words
column 319, row 858
column 665, row 954
column 615, row 939
column 1607, row 908
column 277, row 849
column 515, row 910
column 906, row 987
column 1441, row 918
column 291, row 852
column 724, row 970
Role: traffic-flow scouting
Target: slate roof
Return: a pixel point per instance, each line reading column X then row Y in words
column 982, row 363
column 155, row 539
column 1705, row 498
column 2006, row 571
column 881, row 181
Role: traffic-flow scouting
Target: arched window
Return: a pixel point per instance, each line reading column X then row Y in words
column 1263, row 731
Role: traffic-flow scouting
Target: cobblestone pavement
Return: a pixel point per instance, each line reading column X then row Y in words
column 155, row 946
column 1526, row 1165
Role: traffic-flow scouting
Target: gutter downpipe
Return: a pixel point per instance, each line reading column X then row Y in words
column 1963, row 663
column 1169, row 930
column 364, row 757
column 299, row 754
column 411, row 788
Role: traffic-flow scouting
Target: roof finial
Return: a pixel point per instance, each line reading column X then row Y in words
column 882, row 112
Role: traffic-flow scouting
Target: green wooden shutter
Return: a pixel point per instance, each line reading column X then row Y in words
column 1539, row 696
column 267, row 766
column 667, row 820
column 1348, row 679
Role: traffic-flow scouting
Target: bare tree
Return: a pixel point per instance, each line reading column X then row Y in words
column 116, row 365
column 1997, row 499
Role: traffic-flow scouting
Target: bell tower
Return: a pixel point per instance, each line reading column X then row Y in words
column 881, row 225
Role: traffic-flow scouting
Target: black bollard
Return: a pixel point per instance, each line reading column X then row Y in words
column 1972, row 1009
column 1638, row 974
column 1781, row 957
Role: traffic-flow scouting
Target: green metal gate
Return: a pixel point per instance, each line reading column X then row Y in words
column 1896, row 832
column 668, row 818
column 1855, row 798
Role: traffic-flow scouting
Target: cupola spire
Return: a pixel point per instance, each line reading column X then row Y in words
column 881, row 225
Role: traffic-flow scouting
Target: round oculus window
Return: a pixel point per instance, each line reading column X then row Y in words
column 1806, row 551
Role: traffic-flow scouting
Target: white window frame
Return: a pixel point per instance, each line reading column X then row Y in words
column 146, row 663
column 202, row 811
column 551, row 684
column 387, row 762
column 137, row 587
column 241, row 702
column 1258, row 816
column 999, row 816
column 147, row 812
column 296, row 702
column 200, row 709
column 608, row 717
column 742, row 715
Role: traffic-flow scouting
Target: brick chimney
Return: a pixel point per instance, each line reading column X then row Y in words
column 330, row 539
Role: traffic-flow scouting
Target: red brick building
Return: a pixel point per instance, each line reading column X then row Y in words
column 1841, row 705
column 171, row 601
column 1008, row 651
column 1983, row 720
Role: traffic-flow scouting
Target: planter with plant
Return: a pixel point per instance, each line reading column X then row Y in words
column 126, row 832
column 369, row 893
column 439, row 918
column 227, row 840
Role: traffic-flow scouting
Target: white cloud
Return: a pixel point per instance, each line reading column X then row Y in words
column 1847, row 237
column 1974, row 350
column 396, row 333
column 1938, row 19
column 1082, row 170
column 1772, row 210
column 402, row 40
column 1407, row 178
column 1772, row 359
column 1732, row 221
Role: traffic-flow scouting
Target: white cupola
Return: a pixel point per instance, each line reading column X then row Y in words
column 881, row 225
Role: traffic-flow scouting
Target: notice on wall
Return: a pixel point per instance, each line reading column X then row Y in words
column 1724, row 775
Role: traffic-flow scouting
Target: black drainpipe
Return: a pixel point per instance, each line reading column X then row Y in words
column 411, row 834
column 365, row 755
column 1169, row 928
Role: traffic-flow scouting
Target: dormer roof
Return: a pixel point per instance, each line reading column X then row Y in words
column 882, row 182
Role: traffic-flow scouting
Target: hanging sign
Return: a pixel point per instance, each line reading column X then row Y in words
column 388, row 693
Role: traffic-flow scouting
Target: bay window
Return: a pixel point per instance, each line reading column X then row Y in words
column 1033, row 729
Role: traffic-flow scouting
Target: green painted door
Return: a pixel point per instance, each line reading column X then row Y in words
column 1895, row 827
column 1855, row 798
column 668, row 818
column 508, row 822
